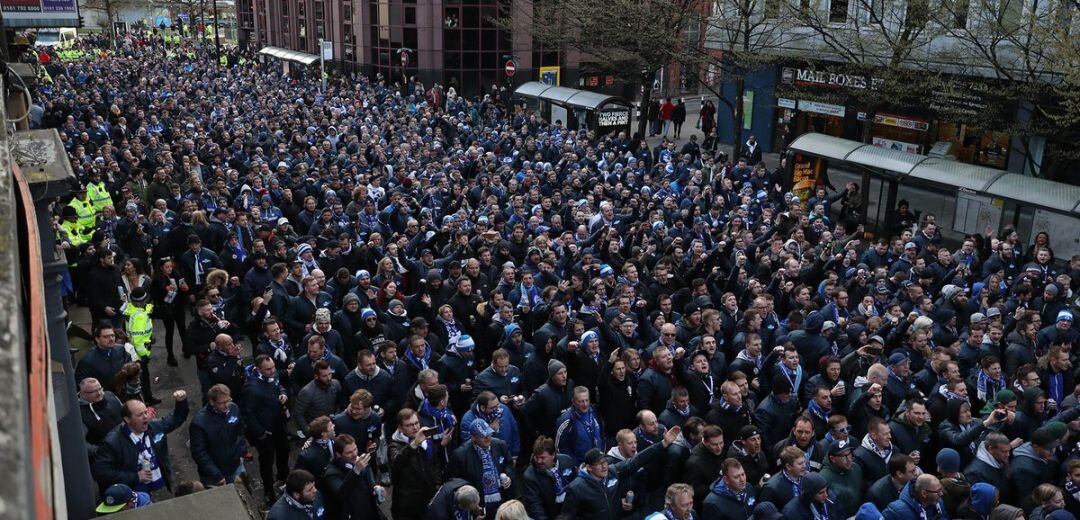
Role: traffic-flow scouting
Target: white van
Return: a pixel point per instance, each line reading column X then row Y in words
column 62, row 37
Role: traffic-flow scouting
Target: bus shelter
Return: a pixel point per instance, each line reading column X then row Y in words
column 966, row 198
column 596, row 112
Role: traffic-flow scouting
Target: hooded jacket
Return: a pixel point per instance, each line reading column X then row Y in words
column 1028, row 471
column 800, row 508
column 847, row 485
column 982, row 500
column 986, row 469
column 723, row 504
column 100, row 418
column 906, row 508
column 907, row 437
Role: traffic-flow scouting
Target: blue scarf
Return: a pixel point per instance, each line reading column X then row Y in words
column 796, row 485
column 560, row 482
column 818, row 411
column 793, row 377
column 822, row 514
column 987, row 387
column 529, row 295
column 721, row 488
column 487, row 417
column 491, row 473
column 418, row 363
column 588, row 421
column 444, row 418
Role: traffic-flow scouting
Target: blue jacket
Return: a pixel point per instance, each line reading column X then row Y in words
column 572, row 436
column 217, row 443
column 906, row 507
column 508, row 428
column 261, row 407
column 284, row 509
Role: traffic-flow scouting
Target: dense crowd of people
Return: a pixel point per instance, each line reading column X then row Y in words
column 399, row 294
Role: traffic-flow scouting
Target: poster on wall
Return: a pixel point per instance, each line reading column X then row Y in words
column 40, row 13
column 806, row 173
column 892, row 144
column 975, row 213
column 1062, row 230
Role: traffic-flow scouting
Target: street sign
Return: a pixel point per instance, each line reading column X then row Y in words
column 511, row 68
column 327, row 50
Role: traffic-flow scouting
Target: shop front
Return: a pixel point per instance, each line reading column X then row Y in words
column 956, row 123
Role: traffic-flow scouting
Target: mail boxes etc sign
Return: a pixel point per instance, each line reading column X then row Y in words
column 820, row 78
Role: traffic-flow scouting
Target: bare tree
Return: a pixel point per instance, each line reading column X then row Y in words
column 1032, row 54
column 741, row 37
column 109, row 11
column 888, row 42
column 629, row 39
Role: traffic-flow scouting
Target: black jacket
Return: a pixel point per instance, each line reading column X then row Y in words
column 546, row 405
column 873, row 467
column 217, row 442
column 727, row 507
column 261, row 409
column 653, row 391
column 415, row 475
column 363, row 430
column 381, row 386
column 619, row 409
column 315, row 458
column 1029, row 470
column 227, row 370
column 465, row 464
column 510, row 384
column 347, row 494
column 101, row 364
column 979, row 471
column 729, row 419
column 538, row 488
column 882, row 492
column 700, row 471
column 775, row 418
column 100, row 418
column 588, row 497
column 443, row 506
column 117, row 460
column 907, row 438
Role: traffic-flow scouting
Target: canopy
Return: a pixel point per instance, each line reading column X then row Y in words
column 565, row 96
column 289, row 55
column 895, row 164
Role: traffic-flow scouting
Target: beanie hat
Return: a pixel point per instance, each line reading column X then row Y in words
column 303, row 248
column 349, row 298
column 554, row 365
column 766, row 511
column 322, row 315
column 593, row 456
column 395, row 303
column 367, row 313
column 948, row 460
column 1058, row 428
column 465, row 343
column 1044, row 438
column 781, row 385
column 589, row 336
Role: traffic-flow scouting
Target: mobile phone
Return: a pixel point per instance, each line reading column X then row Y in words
column 430, row 431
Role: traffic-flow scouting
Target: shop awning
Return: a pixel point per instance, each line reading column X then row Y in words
column 289, row 55
column 565, row 96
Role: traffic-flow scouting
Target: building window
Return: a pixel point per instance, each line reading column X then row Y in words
column 475, row 47
column 838, row 11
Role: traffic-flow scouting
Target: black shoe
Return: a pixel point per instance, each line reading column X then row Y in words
column 172, row 361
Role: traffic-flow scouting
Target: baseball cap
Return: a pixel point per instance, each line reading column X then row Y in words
column 118, row 496
column 480, row 428
column 839, row 447
column 748, row 431
column 898, row 358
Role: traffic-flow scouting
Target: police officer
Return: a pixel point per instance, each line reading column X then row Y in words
column 140, row 330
